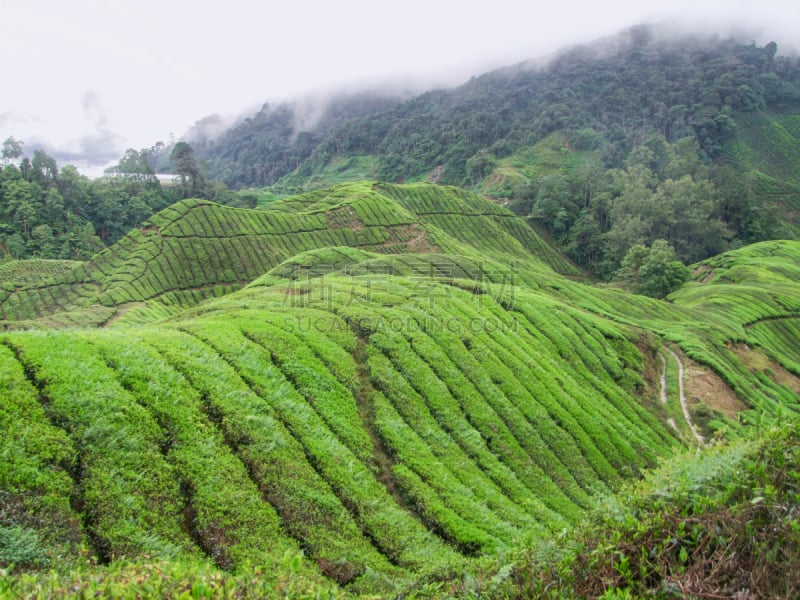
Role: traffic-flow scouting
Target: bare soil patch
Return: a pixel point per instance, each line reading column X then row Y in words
column 756, row 360
column 703, row 385
column 703, row 273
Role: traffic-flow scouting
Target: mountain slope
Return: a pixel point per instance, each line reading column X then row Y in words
column 196, row 249
column 647, row 135
column 264, row 147
column 614, row 93
column 385, row 425
column 765, row 149
column 403, row 390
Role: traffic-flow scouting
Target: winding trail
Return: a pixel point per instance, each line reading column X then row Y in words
column 681, row 392
column 663, row 378
column 122, row 310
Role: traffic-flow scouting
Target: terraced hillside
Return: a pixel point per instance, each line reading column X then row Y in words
column 765, row 147
column 401, row 389
column 754, row 290
column 196, row 250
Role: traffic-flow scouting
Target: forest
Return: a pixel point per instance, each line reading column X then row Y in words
column 623, row 142
column 52, row 213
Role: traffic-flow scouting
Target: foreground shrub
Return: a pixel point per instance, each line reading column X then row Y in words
column 722, row 524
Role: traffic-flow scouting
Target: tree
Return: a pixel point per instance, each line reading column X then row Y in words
column 558, row 201
column 44, row 169
column 135, row 167
column 586, row 240
column 185, row 165
column 687, row 218
column 479, row 166
column 44, row 242
column 12, row 150
column 53, row 210
column 18, row 206
column 653, row 272
column 628, row 273
column 15, row 245
column 75, row 189
column 627, row 231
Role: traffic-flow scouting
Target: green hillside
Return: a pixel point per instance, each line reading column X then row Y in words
column 196, row 249
column 649, row 134
column 609, row 95
column 18, row 273
column 372, row 389
column 765, row 149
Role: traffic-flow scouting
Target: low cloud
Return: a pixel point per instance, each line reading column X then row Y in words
column 209, row 129
column 98, row 145
column 11, row 123
column 308, row 112
column 101, row 144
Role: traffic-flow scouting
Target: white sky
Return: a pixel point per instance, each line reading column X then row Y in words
column 128, row 73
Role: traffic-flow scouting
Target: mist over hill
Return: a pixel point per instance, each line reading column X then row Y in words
column 278, row 137
column 590, row 143
column 646, row 80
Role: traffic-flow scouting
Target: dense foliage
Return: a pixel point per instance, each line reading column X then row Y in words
column 608, row 96
column 652, row 271
column 409, row 400
column 49, row 213
column 640, row 137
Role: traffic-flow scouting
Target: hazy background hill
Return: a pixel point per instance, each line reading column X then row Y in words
column 588, row 143
column 642, row 82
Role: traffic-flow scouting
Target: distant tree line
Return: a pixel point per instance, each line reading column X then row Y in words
column 50, row 213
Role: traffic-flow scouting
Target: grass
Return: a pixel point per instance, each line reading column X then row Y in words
column 548, row 156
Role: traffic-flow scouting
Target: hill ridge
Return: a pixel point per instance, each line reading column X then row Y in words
column 222, row 248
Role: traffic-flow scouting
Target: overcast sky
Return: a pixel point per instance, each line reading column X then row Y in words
column 106, row 75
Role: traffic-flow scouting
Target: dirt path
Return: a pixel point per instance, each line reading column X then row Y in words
column 663, row 378
column 682, row 394
column 383, row 461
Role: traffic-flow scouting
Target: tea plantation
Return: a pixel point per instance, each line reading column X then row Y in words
column 387, row 390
